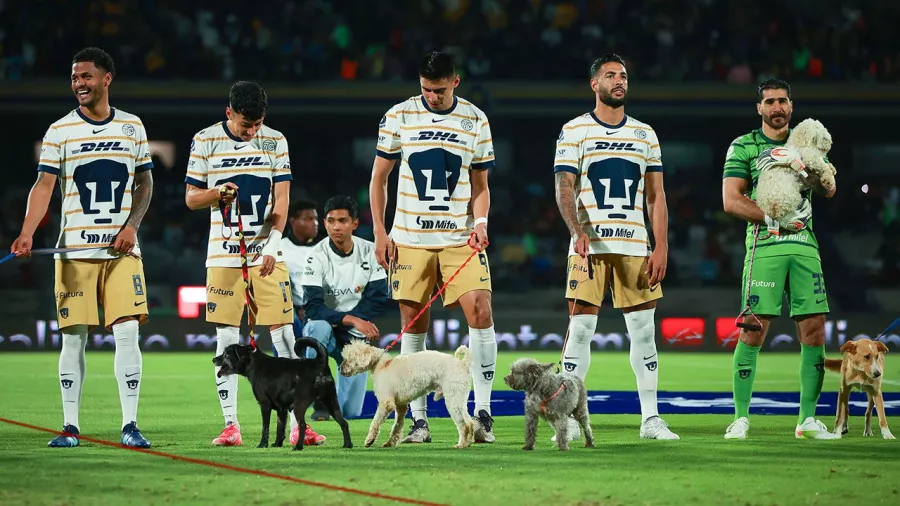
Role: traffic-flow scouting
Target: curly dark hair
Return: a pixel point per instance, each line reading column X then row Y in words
column 100, row 58
column 248, row 99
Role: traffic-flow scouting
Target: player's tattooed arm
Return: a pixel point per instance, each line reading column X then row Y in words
column 565, row 200
column 140, row 198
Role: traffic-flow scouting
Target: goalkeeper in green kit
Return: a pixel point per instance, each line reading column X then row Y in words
column 785, row 262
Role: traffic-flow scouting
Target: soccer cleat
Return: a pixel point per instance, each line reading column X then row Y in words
column 231, row 436
column 68, row 438
column 418, row 433
column 814, row 429
column 574, row 431
column 310, row 438
column 738, row 429
column 656, row 428
column 483, row 430
column 131, row 436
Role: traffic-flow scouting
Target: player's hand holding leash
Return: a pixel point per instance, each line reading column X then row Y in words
column 22, row 246
column 479, row 239
column 125, row 240
column 384, row 250
column 582, row 244
column 227, row 193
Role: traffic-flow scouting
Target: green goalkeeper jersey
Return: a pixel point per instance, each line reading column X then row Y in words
column 740, row 161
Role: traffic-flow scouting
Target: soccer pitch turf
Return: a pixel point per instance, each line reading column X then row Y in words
column 179, row 413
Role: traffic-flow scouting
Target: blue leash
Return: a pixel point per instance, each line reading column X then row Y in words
column 890, row 328
column 53, row 251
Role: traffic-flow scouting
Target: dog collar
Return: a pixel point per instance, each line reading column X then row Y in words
column 548, row 399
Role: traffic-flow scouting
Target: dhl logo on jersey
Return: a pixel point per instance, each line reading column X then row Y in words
column 244, row 161
column 612, row 146
column 431, row 135
column 88, row 147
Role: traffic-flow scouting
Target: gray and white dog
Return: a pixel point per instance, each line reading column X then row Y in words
column 553, row 397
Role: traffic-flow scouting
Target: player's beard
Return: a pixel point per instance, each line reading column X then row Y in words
column 93, row 98
column 778, row 121
column 606, row 98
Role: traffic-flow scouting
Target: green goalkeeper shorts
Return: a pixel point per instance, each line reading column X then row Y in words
column 797, row 278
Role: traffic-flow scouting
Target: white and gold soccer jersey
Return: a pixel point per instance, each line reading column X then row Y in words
column 96, row 162
column 437, row 150
column 610, row 162
column 218, row 157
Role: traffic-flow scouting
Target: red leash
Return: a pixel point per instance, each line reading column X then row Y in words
column 475, row 251
column 249, row 297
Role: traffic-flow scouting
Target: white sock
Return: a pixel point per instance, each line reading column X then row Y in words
column 483, row 344
column 71, row 371
column 577, row 354
column 293, row 419
column 227, row 386
column 411, row 343
column 644, row 359
column 283, row 341
column 127, row 368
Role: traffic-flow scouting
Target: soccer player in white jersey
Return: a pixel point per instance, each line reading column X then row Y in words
column 607, row 166
column 243, row 154
column 345, row 289
column 101, row 158
column 444, row 146
column 297, row 244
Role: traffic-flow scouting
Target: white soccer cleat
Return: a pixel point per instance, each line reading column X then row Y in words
column 656, row 428
column 738, row 429
column 814, row 429
column 574, row 431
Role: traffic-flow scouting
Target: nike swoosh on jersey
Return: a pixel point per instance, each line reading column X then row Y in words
column 236, row 147
column 434, row 120
column 98, row 131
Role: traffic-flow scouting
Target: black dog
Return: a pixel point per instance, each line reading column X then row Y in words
column 283, row 383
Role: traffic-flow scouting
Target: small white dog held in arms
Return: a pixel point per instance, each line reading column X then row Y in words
column 398, row 380
column 787, row 171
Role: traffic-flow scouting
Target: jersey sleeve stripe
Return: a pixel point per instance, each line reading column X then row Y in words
column 654, row 168
column 143, row 168
column 565, row 168
column 50, row 144
column 390, row 156
column 483, row 165
column 195, row 182
column 282, row 177
column 735, row 173
column 48, row 169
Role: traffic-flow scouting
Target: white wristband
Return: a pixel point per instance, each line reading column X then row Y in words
column 478, row 221
column 273, row 244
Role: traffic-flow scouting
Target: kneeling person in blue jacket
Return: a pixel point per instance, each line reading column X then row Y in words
column 344, row 289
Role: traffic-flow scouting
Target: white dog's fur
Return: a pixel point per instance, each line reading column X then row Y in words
column 779, row 188
column 398, row 380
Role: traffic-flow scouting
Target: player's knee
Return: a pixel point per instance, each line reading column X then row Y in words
column 812, row 330
column 480, row 315
column 319, row 330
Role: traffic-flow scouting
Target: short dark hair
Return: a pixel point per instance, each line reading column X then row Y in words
column 300, row 205
column 772, row 84
column 437, row 65
column 248, row 99
column 606, row 58
column 100, row 58
column 342, row 202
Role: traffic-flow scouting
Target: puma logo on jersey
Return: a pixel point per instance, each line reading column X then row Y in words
column 613, row 146
column 87, row 147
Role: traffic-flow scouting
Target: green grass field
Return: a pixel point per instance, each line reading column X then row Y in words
column 180, row 414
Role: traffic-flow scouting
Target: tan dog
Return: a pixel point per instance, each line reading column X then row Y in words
column 862, row 368
column 398, row 380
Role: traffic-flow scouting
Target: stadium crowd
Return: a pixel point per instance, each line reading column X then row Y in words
column 697, row 40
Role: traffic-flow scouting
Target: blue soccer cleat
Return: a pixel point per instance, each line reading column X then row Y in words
column 67, row 439
column 131, row 436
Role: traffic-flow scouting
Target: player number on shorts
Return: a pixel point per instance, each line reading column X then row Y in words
column 283, row 287
column 818, row 289
column 483, row 259
column 615, row 183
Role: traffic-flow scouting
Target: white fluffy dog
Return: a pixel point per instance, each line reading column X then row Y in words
column 398, row 380
column 787, row 171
